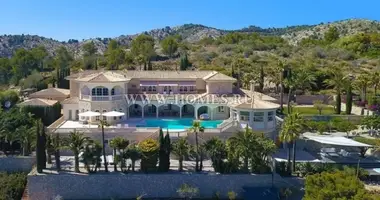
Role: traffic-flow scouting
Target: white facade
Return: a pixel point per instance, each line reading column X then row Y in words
column 105, row 95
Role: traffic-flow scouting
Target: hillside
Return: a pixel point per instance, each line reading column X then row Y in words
column 190, row 33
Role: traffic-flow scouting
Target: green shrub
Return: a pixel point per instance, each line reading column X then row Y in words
column 149, row 151
column 12, row 185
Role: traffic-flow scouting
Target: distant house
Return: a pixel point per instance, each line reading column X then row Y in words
column 38, row 102
column 57, row 94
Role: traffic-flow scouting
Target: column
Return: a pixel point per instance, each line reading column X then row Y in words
column 142, row 112
column 180, row 111
column 195, row 112
column 211, row 113
column 156, row 112
column 265, row 120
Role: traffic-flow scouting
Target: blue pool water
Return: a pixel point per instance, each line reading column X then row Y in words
column 178, row 124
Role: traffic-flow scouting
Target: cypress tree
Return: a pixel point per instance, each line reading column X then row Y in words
column 39, row 148
column 43, row 146
column 167, row 150
column 184, row 63
column 161, row 153
column 349, row 100
column 57, row 153
column 150, row 67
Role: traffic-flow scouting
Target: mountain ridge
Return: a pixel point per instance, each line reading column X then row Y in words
column 190, row 33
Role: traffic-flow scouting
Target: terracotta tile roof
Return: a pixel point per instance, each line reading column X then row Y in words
column 118, row 75
column 219, row 77
column 51, row 92
column 105, row 76
column 71, row 100
column 38, row 102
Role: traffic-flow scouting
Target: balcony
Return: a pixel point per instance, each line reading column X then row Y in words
column 102, row 98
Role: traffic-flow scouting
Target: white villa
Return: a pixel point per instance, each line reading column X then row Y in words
column 146, row 96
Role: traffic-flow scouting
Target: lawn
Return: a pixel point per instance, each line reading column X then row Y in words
column 373, row 142
column 310, row 110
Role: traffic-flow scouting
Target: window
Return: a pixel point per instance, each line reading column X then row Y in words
column 100, row 91
column 150, row 88
column 133, row 86
column 113, row 91
column 270, row 116
column 97, row 117
column 185, row 89
column 154, row 88
column 244, row 115
column 76, row 114
column 221, row 109
column 121, row 110
column 143, row 88
column 180, row 88
column 258, row 117
column 104, row 117
column 192, row 88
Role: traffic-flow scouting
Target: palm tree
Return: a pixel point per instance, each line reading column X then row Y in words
column 216, row 149
column 133, row 153
column 337, row 80
column 290, row 132
column 181, row 148
column 75, row 142
column 243, row 146
column 55, row 146
column 91, row 153
column 10, row 137
column 298, row 79
column 102, row 124
column 195, row 129
column 362, row 82
column 375, row 81
column 118, row 144
column 27, row 138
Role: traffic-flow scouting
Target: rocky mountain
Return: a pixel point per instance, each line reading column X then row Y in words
column 190, row 33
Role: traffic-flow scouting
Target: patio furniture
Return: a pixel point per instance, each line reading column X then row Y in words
column 344, row 153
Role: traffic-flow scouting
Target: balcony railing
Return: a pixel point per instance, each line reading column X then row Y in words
column 102, row 98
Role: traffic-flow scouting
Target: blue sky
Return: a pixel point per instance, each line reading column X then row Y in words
column 81, row 19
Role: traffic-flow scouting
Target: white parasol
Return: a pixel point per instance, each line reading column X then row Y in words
column 113, row 114
column 89, row 114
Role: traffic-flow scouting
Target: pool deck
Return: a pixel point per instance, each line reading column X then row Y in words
column 130, row 123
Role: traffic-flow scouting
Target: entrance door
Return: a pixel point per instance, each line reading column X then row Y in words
column 70, row 114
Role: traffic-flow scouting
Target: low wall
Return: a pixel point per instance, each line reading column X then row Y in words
column 17, row 164
column 351, row 118
column 125, row 186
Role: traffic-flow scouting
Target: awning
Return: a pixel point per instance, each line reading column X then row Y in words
column 335, row 140
column 187, row 83
column 148, row 83
column 168, row 83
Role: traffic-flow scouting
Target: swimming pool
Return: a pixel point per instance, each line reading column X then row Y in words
column 178, row 124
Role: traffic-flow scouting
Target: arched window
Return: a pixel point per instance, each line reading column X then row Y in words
column 113, row 91
column 150, row 88
column 104, row 117
column 97, row 117
column 180, row 88
column 99, row 91
column 185, row 89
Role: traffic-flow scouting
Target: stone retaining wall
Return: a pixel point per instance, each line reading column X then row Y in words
column 125, row 186
column 17, row 163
